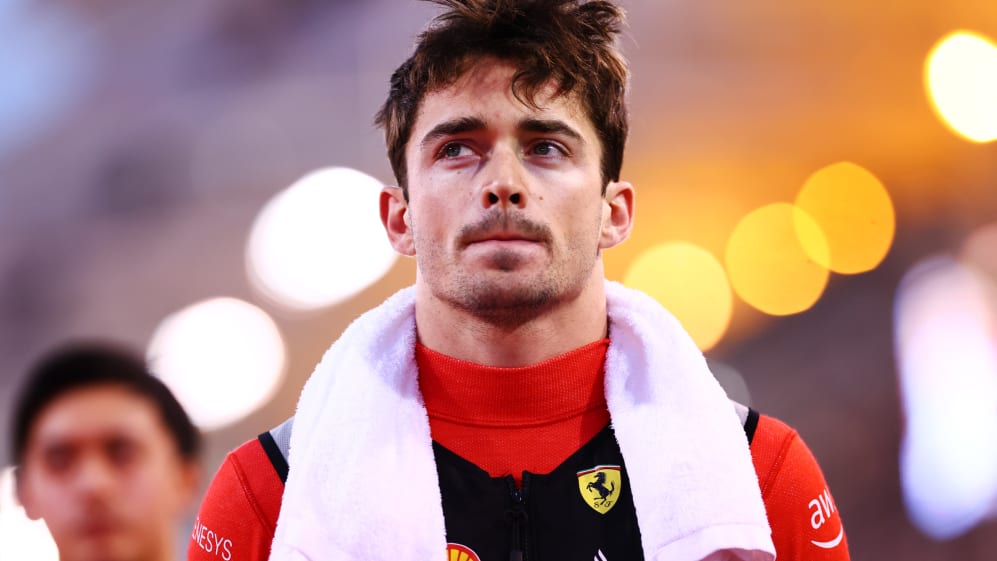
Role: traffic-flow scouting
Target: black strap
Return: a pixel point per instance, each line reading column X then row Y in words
column 277, row 459
column 750, row 424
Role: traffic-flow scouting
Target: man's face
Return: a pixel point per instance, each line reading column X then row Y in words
column 103, row 472
column 505, row 214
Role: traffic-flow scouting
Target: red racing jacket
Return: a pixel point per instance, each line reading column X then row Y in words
column 549, row 518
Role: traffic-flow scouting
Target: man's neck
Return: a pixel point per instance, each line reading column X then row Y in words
column 558, row 330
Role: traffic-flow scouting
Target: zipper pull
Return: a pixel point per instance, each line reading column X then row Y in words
column 517, row 519
column 517, row 516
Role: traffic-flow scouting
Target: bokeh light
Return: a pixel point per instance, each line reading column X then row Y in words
column 947, row 362
column 223, row 358
column 21, row 537
column 731, row 380
column 49, row 61
column 855, row 214
column 961, row 78
column 980, row 250
column 320, row 241
column 691, row 283
column 767, row 265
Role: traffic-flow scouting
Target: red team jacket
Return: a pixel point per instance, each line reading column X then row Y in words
column 239, row 513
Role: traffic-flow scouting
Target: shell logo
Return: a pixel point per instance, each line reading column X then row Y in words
column 458, row 552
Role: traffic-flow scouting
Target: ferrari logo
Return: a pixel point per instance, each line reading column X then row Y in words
column 600, row 487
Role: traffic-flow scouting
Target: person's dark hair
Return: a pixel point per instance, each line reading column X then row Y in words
column 83, row 365
column 568, row 42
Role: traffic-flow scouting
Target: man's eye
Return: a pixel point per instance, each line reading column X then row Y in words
column 453, row 150
column 58, row 459
column 545, row 149
column 122, row 452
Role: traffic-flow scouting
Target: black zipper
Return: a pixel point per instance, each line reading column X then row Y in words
column 518, row 519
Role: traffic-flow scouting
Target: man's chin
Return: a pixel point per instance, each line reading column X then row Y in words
column 104, row 547
column 508, row 299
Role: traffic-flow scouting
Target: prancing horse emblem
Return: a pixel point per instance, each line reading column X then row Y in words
column 600, row 487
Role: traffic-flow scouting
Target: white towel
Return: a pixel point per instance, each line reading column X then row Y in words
column 694, row 487
column 363, row 485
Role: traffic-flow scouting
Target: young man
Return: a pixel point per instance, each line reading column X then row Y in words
column 105, row 455
column 513, row 404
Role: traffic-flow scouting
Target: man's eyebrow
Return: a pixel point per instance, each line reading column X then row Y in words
column 549, row 126
column 453, row 126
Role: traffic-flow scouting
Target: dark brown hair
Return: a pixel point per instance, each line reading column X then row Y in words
column 80, row 365
column 568, row 42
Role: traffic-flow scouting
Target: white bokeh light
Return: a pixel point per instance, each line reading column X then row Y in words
column 320, row 241
column 961, row 78
column 947, row 363
column 223, row 358
column 20, row 537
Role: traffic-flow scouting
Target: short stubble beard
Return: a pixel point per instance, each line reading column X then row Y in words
column 504, row 297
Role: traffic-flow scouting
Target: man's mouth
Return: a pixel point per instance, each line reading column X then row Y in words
column 503, row 238
column 505, row 230
column 99, row 526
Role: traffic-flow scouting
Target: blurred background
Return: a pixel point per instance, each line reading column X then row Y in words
column 816, row 201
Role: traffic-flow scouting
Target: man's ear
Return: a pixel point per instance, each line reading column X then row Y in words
column 395, row 217
column 618, row 214
column 23, row 494
column 190, row 482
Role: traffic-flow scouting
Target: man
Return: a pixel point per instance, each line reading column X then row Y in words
column 105, row 455
column 513, row 404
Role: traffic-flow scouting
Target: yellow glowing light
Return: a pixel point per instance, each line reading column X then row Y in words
column 855, row 214
column 766, row 262
column 691, row 283
column 960, row 75
column 223, row 358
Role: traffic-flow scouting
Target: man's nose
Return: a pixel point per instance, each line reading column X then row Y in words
column 503, row 181
column 94, row 476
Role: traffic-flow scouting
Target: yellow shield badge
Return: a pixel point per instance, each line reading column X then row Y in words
column 600, row 487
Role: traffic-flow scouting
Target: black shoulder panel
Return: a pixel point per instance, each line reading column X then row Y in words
column 750, row 424
column 276, row 457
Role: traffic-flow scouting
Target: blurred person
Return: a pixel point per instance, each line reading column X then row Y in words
column 104, row 454
column 513, row 404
